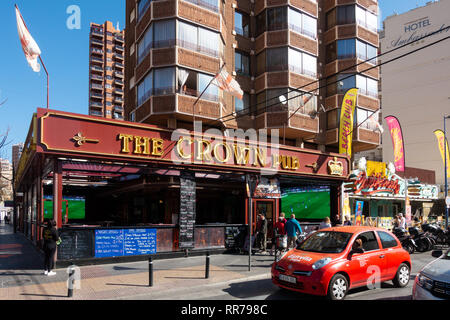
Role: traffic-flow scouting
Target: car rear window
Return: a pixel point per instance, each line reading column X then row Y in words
column 387, row 241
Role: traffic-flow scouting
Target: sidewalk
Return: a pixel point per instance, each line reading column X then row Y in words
column 21, row 274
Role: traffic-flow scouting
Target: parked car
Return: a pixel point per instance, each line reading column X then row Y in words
column 332, row 261
column 433, row 281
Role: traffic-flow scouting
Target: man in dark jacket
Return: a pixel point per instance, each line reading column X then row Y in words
column 50, row 236
column 261, row 229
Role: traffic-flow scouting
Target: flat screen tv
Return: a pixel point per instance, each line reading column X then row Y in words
column 76, row 207
column 307, row 203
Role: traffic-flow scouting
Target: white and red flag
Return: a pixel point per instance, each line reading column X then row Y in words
column 225, row 81
column 29, row 46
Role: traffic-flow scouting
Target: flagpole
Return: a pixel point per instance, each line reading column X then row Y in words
column 196, row 101
column 48, row 82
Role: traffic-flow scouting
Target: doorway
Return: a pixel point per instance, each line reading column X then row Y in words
column 268, row 208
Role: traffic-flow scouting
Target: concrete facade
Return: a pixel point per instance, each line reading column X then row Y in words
column 415, row 89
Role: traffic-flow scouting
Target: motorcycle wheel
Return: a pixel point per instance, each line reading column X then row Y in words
column 421, row 245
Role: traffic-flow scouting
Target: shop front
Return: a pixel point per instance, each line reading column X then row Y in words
column 119, row 189
column 375, row 196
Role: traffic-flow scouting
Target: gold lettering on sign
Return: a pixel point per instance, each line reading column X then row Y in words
column 126, row 139
column 203, row 150
column 260, row 157
column 180, row 148
column 241, row 154
column 141, row 145
column 226, row 152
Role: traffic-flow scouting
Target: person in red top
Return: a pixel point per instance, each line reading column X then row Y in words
column 279, row 230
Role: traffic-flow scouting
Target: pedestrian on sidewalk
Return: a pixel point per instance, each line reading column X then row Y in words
column 325, row 223
column 292, row 228
column 51, row 236
column 280, row 237
column 261, row 236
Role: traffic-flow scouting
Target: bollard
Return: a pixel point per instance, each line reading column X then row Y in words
column 207, row 266
column 70, row 282
column 150, row 271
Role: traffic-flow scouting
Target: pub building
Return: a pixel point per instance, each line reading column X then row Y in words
column 123, row 190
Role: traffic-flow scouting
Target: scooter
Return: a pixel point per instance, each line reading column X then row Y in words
column 439, row 236
column 423, row 242
column 406, row 240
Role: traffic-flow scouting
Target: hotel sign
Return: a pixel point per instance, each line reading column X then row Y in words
column 91, row 137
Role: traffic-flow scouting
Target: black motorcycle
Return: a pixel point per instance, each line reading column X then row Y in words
column 406, row 240
column 423, row 241
column 439, row 236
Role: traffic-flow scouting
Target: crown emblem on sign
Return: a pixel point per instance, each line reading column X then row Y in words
column 336, row 167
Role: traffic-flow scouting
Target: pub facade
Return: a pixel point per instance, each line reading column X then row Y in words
column 121, row 189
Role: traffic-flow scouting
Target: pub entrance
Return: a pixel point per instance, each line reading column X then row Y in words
column 269, row 208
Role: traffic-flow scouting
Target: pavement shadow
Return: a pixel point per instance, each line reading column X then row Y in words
column 127, row 285
column 43, row 295
column 247, row 289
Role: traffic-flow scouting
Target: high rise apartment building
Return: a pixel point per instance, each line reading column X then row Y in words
column 16, row 153
column 106, row 71
column 273, row 48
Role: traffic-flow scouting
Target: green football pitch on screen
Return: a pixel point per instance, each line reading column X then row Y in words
column 76, row 208
column 306, row 205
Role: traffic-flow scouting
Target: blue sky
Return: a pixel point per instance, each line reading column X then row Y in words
column 66, row 55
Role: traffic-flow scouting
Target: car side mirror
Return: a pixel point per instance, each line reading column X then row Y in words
column 436, row 253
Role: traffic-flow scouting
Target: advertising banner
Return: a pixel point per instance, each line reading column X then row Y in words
column 358, row 213
column 346, row 122
column 443, row 142
column 397, row 142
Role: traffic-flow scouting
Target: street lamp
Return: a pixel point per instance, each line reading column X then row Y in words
column 445, row 171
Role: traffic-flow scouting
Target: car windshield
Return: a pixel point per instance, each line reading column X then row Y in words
column 326, row 242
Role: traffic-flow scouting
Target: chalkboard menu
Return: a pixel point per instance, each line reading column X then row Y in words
column 124, row 242
column 234, row 236
column 187, row 210
column 76, row 244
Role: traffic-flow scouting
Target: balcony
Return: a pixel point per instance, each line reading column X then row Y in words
column 96, row 77
column 118, row 99
column 284, row 38
column 351, row 31
column 352, row 64
column 118, row 56
column 96, row 113
column 368, row 4
column 95, row 68
column 364, row 139
column 118, row 74
column 369, row 102
column 298, row 126
column 96, row 87
column 118, row 81
column 304, row 5
column 97, row 33
column 96, row 105
column 285, row 78
column 119, row 38
column 119, row 65
column 96, row 96
column 96, row 51
column 97, row 42
column 96, row 59
column 119, row 48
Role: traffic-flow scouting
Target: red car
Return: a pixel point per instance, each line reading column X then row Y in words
column 332, row 261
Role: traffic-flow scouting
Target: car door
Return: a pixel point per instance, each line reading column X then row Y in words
column 369, row 267
column 390, row 246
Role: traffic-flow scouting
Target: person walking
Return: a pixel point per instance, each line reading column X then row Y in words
column 292, row 227
column 280, row 238
column 51, row 236
column 402, row 221
column 261, row 236
column 325, row 223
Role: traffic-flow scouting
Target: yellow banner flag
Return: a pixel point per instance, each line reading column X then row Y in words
column 346, row 123
column 442, row 142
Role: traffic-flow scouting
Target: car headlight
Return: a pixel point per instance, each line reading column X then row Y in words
column 321, row 263
column 424, row 282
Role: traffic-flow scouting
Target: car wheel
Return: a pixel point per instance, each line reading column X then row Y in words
column 402, row 277
column 338, row 287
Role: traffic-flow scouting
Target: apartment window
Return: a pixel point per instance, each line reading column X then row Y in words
column 362, row 119
column 366, row 19
column 346, row 49
column 198, row 39
column 164, row 34
column 145, row 44
column 212, row 5
column 164, row 81
column 302, row 23
column 142, row 8
column 367, row 86
column 193, row 83
column 242, row 24
column 145, row 88
column 261, row 23
column 242, row 63
column 277, row 19
column 345, row 14
column 298, row 101
column 242, row 106
column 132, row 116
column 302, row 63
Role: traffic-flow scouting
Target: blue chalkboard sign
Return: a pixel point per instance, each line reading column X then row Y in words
column 124, row 242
